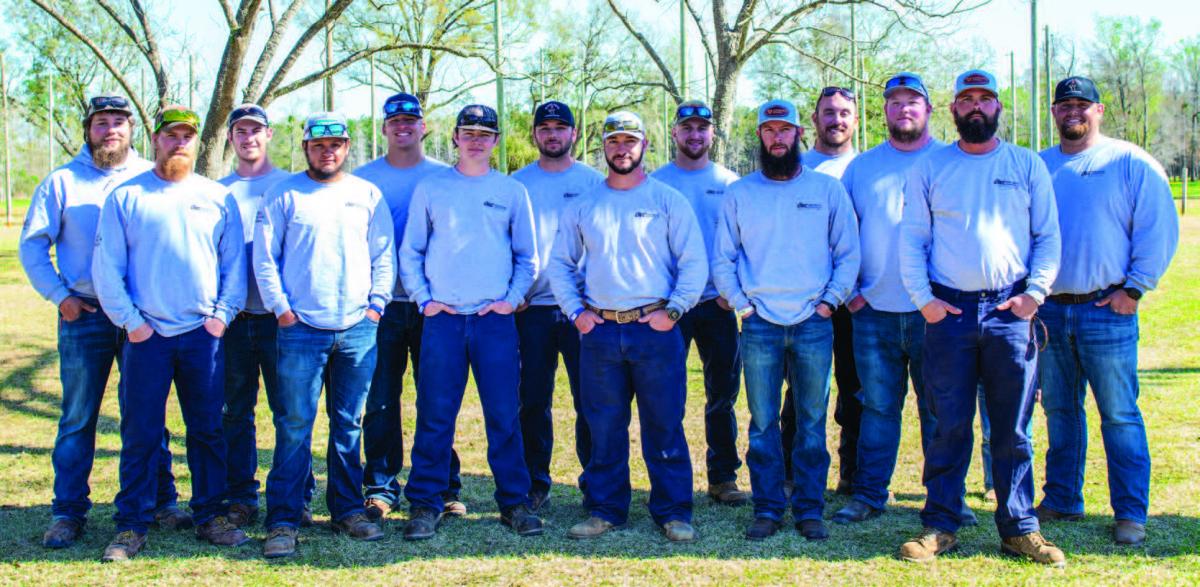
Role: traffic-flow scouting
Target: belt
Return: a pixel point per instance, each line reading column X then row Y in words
column 253, row 316
column 1073, row 299
column 627, row 316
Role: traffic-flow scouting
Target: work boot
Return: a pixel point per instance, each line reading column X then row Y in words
column 679, row 531
column 454, row 508
column 538, row 499
column 172, row 518
column 358, row 527
column 306, row 519
column 522, row 521
column 221, row 532
column 856, row 511
column 1129, row 533
column 762, row 528
column 1045, row 514
column 812, row 529
column 591, row 528
column 124, row 546
column 928, row 545
column 728, row 494
column 422, row 524
column 377, row 509
column 1036, row 548
column 281, row 542
column 63, row 532
column 242, row 514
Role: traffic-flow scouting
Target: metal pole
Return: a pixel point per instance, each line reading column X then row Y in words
column 503, row 158
column 374, row 129
column 583, row 128
column 191, row 80
column 328, row 61
column 1012, row 97
column 1183, row 210
column 683, row 69
column 542, row 75
column 1035, row 126
column 853, row 67
column 862, row 101
column 7, row 167
column 1049, row 89
column 666, row 127
column 50, row 125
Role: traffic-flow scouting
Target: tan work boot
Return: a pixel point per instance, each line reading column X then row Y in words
column 1035, row 547
column 679, row 531
column 927, row 545
column 123, row 547
column 377, row 509
column 590, row 528
column 280, row 542
column 221, row 532
column 728, row 494
column 1129, row 533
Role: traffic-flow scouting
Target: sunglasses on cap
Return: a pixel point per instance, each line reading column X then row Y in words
column 176, row 115
column 691, row 111
column 904, row 81
column 831, row 90
column 108, row 102
column 472, row 119
column 400, row 107
column 252, row 111
column 318, row 131
column 627, row 125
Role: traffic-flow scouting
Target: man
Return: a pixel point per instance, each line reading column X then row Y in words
column 323, row 258
column 63, row 215
column 396, row 174
column 979, row 247
column 553, row 181
column 711, row 323
column 628, row 263
column 170, row 269
column 469, row 256
column 888, row 329
column 250, row 340
column 785, row 289
column 1118, row 220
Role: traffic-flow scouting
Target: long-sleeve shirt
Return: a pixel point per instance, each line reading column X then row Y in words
column 170, row 254
column 979, row 222
column 64, row 214
column 624, row 249
column 875, row 181
column 324, row 250
column 831, row 165
column 1117, row 217
column 550, row 193
column 469, row 241
column 397, row 186
column 249, row 191
column 785, row 246
column 705, row 190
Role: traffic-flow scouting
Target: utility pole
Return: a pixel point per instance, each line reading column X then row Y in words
column 7, row 166
column 328, row 62
column 50, row 125
column 1012, row 97
column 683, row 64
column 1035, row 139
column 145, row 131
column 1049, row 89
column 503, row 159
column 583, row 129
column 666, row 126
column 862, row 104
column 374, row 125
column 191, row 80
column 853, row 70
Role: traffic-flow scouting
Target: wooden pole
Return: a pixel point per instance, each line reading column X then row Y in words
column 50, row 125
column 1049, row 87
column 1183, row 203
column 502, row 160
column 7, row 165
column 1035, row 125
column 1012, row 96
column 374, row 124
column 683, row 69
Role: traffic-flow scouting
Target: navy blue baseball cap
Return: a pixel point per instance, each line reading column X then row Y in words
column 402, row 103
column 247, row 111
column 478, row 117
column 554, row 110
column 1076, row 87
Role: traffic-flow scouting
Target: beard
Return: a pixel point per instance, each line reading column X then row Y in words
column 320, row 175
column 692, row 154
column 835, row 140
column 177, row 165
column 108, row 157
column 782, row 167
column 625, row 170
column 562, row 149
column 1074, row 132
column 906, row 135
column 976, row 131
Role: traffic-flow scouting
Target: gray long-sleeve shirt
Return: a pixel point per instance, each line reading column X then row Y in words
column 249, row 191
column 705, row 189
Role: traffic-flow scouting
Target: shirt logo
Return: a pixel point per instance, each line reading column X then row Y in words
column 570, row 194
column 714, row 192
column 495, row 205
column 1092, row 172
column 645, row 214
column 808, row 206
column 1008, row 183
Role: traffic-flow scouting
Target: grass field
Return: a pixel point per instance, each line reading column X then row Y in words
column 477, row 550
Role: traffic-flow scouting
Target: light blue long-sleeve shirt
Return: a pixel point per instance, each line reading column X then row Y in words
column 397, row 186
column 1117, row 217
column 249, row 191
column 64, row 214
column 831, row 165
column 979, row 222
column 324, row 250
column 469, row 241
column 705, row 189
column 170, row 254
column 624, row 249
column 550, row 193
column 785, row 246
column 875, row 181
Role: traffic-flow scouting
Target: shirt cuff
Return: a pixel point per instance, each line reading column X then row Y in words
column 1037, row 293
column 922, row 299
column 135, row 323
column 59, row 294
column 573, row 313
column 283, row 308
column 224, row 315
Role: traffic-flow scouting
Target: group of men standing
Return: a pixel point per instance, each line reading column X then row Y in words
column 915, row 260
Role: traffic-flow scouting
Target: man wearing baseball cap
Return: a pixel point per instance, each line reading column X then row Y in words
column 324, row 261
column 396, row 174
column 63, row 215
column 1118, row 220
column 468, row 258
column 554, row 180
column 978, row 275
column 170, row 269
column 785, row 289
column 645, row 267
column 711, row 323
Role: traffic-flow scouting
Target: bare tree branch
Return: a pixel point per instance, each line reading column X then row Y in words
column 333, row 13
column 278, row 28
column 653, row 54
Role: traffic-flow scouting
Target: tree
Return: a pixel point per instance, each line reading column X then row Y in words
column 1130, row 70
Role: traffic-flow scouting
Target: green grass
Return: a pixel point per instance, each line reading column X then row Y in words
column 477, row 550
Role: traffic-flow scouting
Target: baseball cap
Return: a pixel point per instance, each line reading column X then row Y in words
column 247, row 111
column 905, row 81
column 1076, row 87
column 975, row 78
column 173, row 115
column 778, row 110
column 693, row 109
column 553, row 110
column 326, row 125
column 108, row 103
column 624, row 122
column 402, row 103
column 478, row 117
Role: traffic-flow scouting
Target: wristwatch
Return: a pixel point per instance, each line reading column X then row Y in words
column 1134, row 293
column 674, row 314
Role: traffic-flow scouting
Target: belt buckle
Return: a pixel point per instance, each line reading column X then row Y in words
column 628, row 316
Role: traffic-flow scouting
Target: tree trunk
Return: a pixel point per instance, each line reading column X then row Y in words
column 724, row 103
column 214, row 157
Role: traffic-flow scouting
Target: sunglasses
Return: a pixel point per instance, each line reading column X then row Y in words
column 400, row 107
column 337, row 130
column 690, row 111
column 831, row 90
column 611, row 126
column 103, row 102
column 167, row 117
column 468, row 119
column 904, row 81
column 254, row 111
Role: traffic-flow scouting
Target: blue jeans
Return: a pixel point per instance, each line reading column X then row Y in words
column 995, row 348
column 452, row 345
column 544, row 334
column 86, row 350
column 715, row 331
column 804, row 353
column 195, row 361
column 887, row 351
column 1096, row 347
column 985, row 441
column 619, row 363
column 342, row 361
column 383, row 433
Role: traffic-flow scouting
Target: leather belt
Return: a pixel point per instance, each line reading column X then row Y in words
column 1073, row 299
column 253, row 316
column 627, row 316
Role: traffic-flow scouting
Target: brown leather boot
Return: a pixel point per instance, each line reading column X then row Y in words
column 123, row 547
column 926, row 547
column 1035, row 547
column 728, row 494
column 221, row 532
column 63, row 532
column 358, row 527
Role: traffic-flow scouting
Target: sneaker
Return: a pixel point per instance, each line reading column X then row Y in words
column 221, row 532
column 762, row 528
column 280, row 542
column 454, row 508
column 172, row 518
column 358, row 527
column 591, row 528
column 928, row 545
column 123, row 547
column 812, row 529
column 522, row 521
column 856, row 511
column 1035, row 547
column 538, row 499
column 377, row 509
column 728, row 494
column 679, row 531
column 1129, row 533
column 422, row 525
column 306, row 519
column 242, row 514
column 63, row 532
column 1045, row 514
